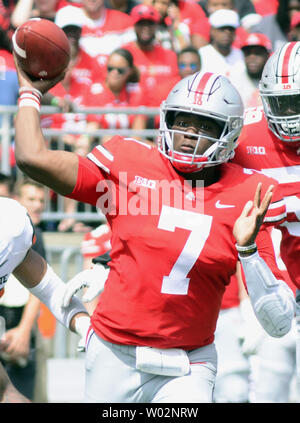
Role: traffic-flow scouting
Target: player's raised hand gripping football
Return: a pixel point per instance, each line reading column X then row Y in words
column 42, row 55
column 41, row 52
column 248, row 224
column 43, row 85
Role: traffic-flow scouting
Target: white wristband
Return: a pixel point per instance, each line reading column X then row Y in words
column 30, row 89
column 50, row 290
column 30, row 97
column 27, row 102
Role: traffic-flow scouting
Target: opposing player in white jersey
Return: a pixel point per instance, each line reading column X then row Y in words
column 270, row 143
column 176, row 213
column 17, row 257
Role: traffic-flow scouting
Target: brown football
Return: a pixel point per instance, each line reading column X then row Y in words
column 42, row 48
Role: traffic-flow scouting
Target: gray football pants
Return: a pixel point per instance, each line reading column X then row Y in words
column 111, row 376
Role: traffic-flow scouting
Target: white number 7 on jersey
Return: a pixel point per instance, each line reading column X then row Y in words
column 199, row 225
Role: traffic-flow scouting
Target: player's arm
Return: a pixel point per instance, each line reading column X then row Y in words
column 36, row 275
column 253, row 332
column 272, row 300
column 55, row 169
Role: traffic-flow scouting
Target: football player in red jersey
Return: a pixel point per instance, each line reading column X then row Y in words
column 270, row 143
column 180, row 218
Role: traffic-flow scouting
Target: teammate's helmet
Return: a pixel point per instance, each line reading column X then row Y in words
column 280, row 92
column 209, row 95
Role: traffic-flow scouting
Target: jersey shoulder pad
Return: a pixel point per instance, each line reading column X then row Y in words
column 118, row 153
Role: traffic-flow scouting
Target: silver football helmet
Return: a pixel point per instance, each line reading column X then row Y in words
column 280, row 92
column 209, row 95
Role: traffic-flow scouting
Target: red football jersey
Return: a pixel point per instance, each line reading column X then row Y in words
column 172, row 246
column 231, row 295
column 260, row 149
column 155, row 66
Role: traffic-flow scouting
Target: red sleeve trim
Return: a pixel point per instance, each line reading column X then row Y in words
column 88, row 176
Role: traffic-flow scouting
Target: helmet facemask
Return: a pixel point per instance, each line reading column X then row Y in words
column 221, row 148
column 214, row 99
column 283, row 114
column 280, row 92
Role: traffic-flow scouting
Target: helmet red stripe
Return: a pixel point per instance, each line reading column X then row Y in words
column 285, row 64
column 201, row 86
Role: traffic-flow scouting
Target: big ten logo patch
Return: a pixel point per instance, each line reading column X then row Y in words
column 253, row 149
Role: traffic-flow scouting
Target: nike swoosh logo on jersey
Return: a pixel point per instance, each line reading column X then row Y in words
column 223, row 206
column 3, row 262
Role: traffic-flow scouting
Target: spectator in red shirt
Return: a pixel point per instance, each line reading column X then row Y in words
column 104, row 30
column 155, row 63
column 120, row 88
